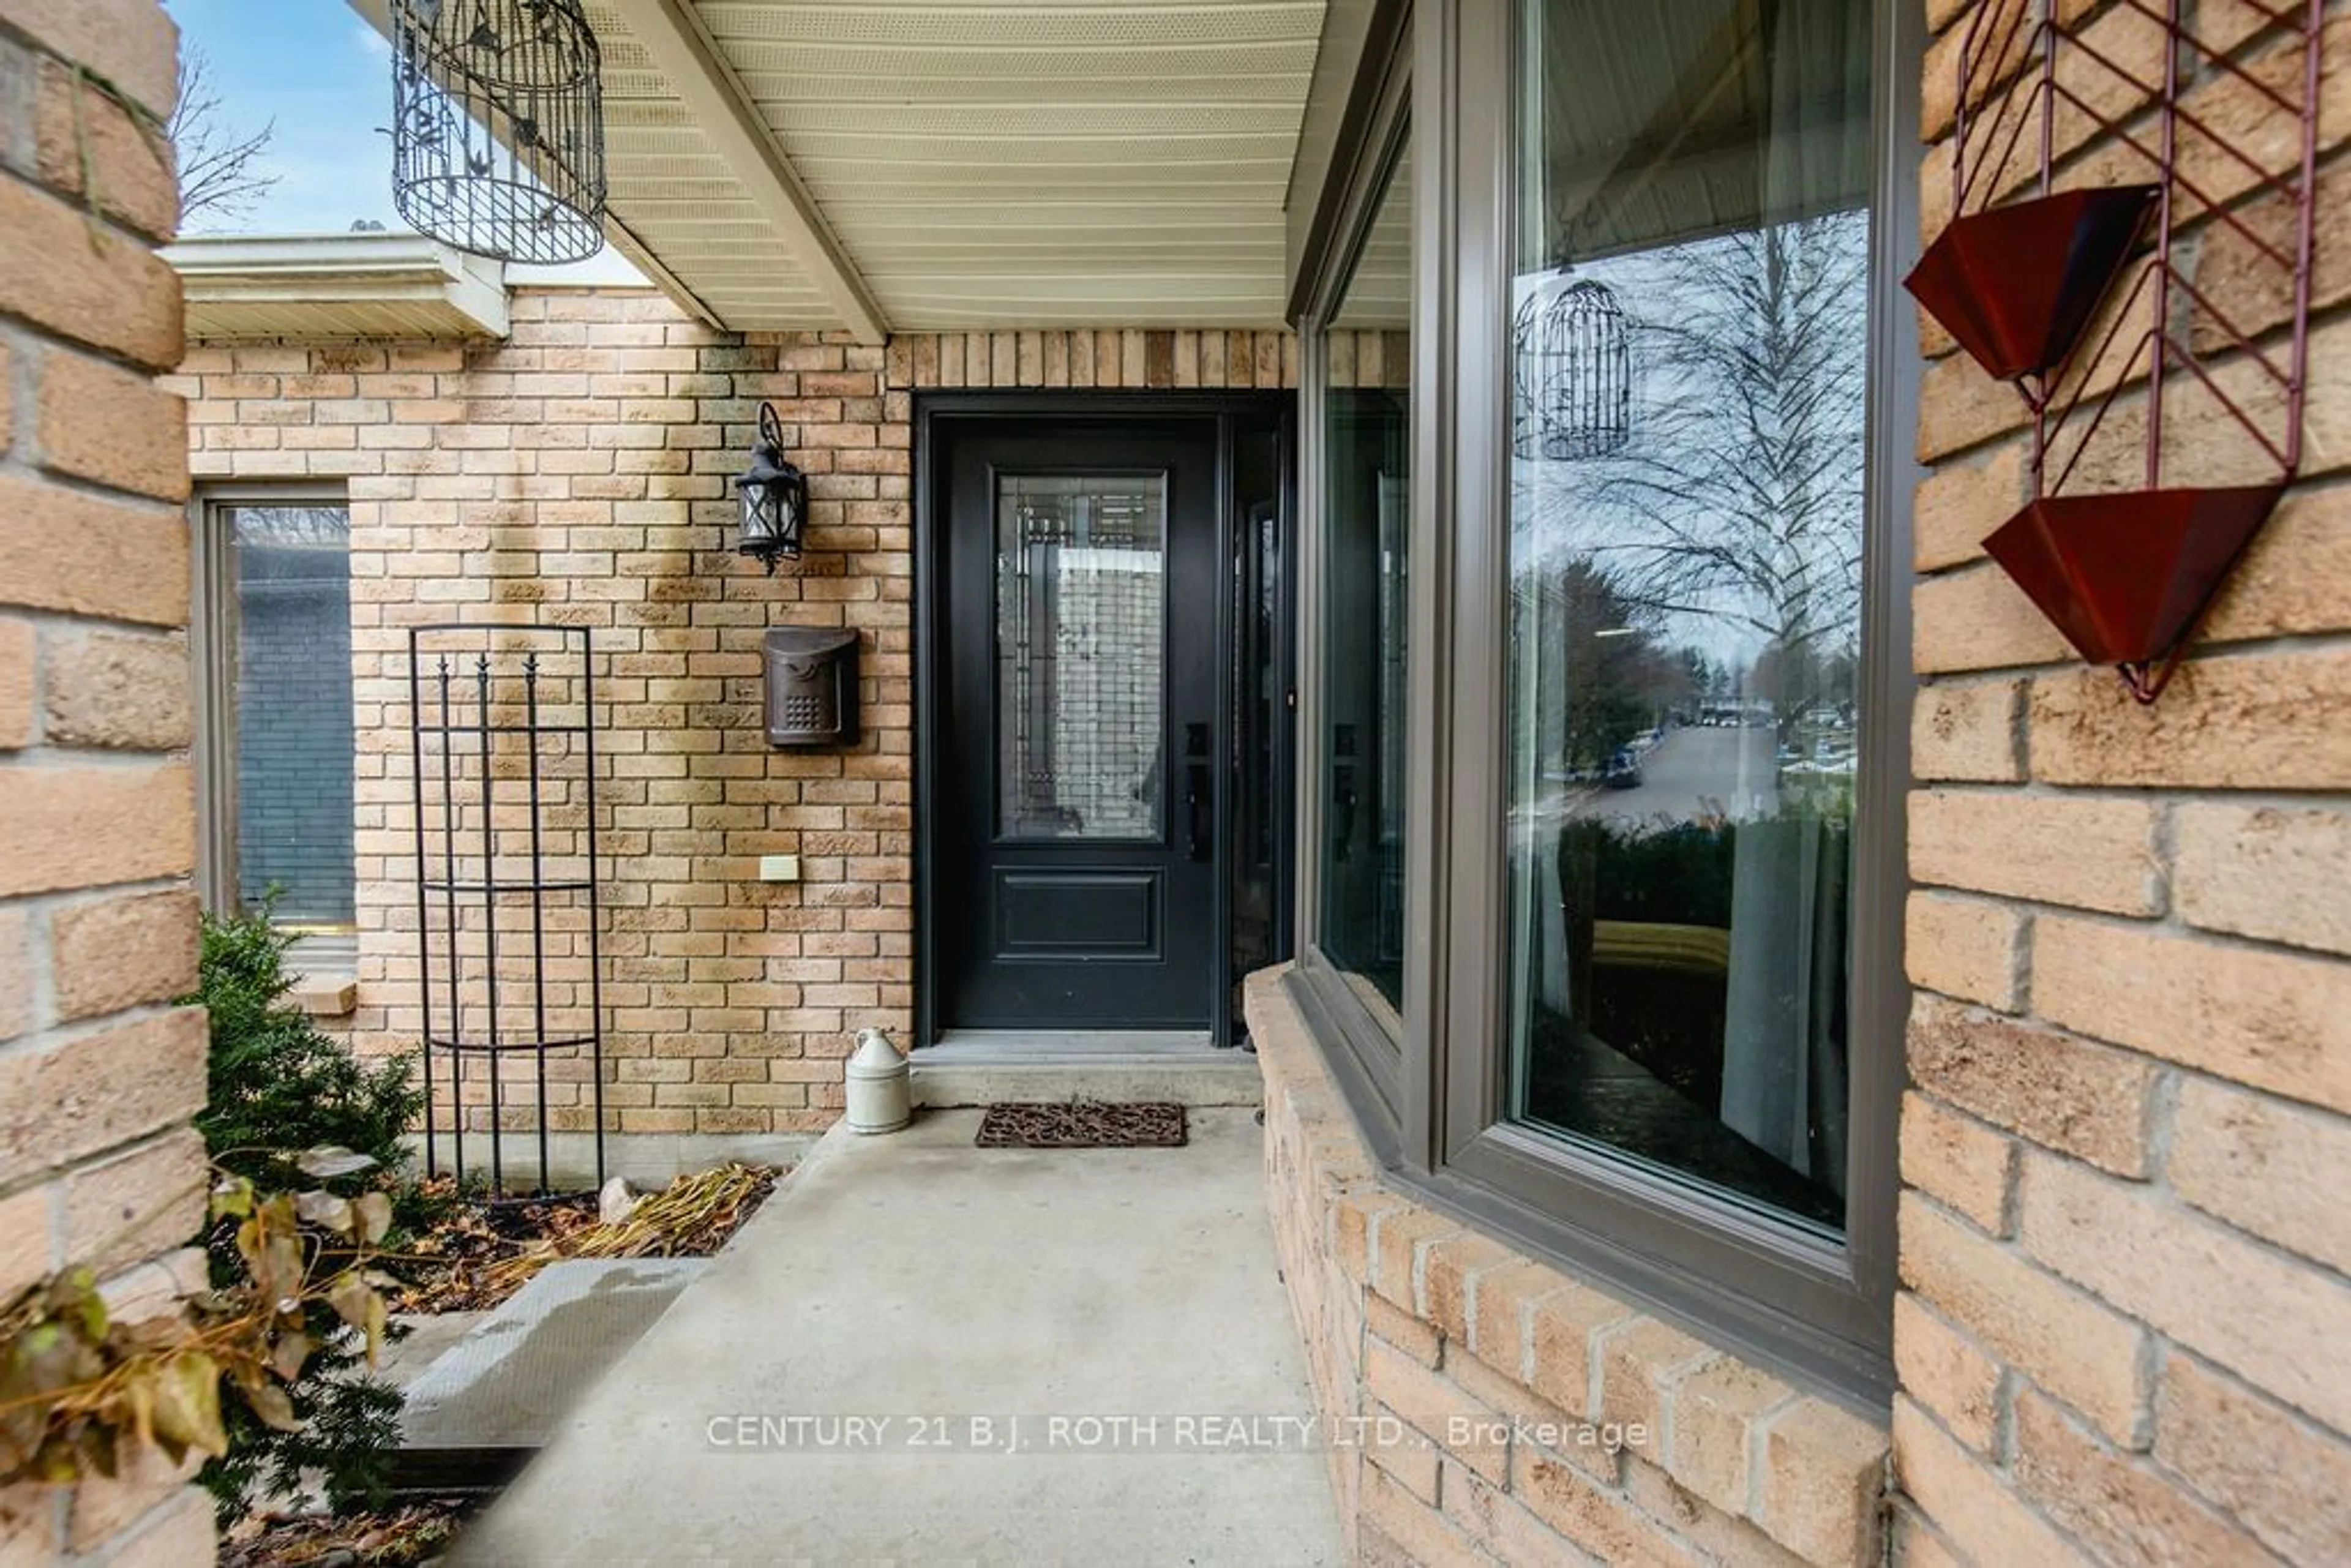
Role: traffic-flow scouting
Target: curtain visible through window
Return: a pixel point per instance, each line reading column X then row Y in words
column 1689, row 436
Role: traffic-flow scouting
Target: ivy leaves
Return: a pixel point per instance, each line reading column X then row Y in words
column 76, row 1383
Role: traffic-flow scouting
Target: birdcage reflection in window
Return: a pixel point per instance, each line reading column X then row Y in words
column 1574, row 371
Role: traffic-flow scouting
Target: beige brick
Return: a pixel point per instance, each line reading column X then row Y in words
column 127, row 1210
column 2065, row 1341
column 1563, row 1327
column 31, row 1515
column 1401, row 1331
column 1571, row 1502
column 131, row 43
column 78, row 126
column 92, row 287
column 2119, row 1507
column 2295, row 579
column 1438, row 1409
column 81, row 553
column 115, row 690
column 176, row 1535
column 66, row 1100
column 2264, row 871
column 2285, row 1480
column 1961, row 1164
column 1970, row 949
column 19, row 678
column 7, row 394
column 1397, row 1239
column 119, row 953
column 1498, row 1336
column 1823, row 1472
column 1968, row 730
column 27, row 1241
column 1960, row 503
column 1976, row 618
column 2089, row 853
column 1410, row 1459
column 1717, row 1412
column 2279, row 1323
column 2268, row 1020
column 15, row 975
column 2070, row 1093
column 85, row 827
column 1504, row 1529
column 104, row 1506
column 1969, row 1504
column 1705, row 1527
column 1445, row 1281
column 1417, row 1532
column 2264, row 1166
column 1948, row 1373
column 2273, row 721
column 1640, row 1364
column 112, row 426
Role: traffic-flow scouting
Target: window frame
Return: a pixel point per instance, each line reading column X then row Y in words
column 1765, row 1285
column 212, row 641
column 1379, row 133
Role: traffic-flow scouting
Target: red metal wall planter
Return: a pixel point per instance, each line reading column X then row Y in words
column 2021, row 275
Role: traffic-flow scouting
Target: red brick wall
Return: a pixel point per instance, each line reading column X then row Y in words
column 99, row 1073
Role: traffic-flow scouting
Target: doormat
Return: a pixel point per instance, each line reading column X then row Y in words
column 1083, row 1124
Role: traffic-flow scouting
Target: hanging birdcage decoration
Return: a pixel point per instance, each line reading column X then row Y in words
column 497, row 127
column 1574, row 379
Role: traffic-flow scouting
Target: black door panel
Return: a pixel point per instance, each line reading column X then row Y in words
column 1076, row 805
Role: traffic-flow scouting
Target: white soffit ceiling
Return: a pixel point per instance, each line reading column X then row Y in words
column 981, row 164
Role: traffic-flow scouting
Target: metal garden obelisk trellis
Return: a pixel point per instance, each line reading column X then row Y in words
column 502, row 737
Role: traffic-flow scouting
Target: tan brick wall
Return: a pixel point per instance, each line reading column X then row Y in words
column 577, row 474
column 2122, row 1243
column 98, row 1073
column 1494, row 1404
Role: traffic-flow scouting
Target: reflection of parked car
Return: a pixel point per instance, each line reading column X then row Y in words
column 1623, row 770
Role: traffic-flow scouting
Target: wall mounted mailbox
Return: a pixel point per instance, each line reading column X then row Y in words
column 811, row 686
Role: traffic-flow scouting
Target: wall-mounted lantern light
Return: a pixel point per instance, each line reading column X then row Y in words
column 774, row 495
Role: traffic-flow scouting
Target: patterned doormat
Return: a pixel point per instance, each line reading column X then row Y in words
column 1082, row 1124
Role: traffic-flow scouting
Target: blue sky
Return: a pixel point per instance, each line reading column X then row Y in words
column 323, row 76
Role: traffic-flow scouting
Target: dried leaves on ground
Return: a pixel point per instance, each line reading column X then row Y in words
column 413, row 1534
column 485, row 1252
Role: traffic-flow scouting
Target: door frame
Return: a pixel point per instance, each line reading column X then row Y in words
column 1014, row 410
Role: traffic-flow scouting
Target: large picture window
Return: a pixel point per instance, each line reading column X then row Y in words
column 1610, row 844
column 1687, row 473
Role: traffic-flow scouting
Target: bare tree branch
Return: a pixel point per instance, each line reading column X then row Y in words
column 218, row 171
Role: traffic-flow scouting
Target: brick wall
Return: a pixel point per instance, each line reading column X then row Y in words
column 2121, row 1333
column 98, row 1073
column 1496, row 1405
column 577, row 474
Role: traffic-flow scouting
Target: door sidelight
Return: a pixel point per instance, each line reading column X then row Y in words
column 812, row 680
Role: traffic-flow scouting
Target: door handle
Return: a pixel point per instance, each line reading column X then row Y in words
column 1197, row 830
column 1198, row 827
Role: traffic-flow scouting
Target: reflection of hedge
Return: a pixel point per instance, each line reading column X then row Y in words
column 1678, row 876
column 1669, row 1017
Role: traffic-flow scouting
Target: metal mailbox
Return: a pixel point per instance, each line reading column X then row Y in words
column 811, row 686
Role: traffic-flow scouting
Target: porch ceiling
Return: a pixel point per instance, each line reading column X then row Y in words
column 925, row 164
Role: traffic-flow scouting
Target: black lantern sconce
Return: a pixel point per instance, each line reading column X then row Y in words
column 774, row 495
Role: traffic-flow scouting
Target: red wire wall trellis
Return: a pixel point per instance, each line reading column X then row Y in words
column 2071, row 138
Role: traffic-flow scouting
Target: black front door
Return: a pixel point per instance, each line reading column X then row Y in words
column 1075, row 807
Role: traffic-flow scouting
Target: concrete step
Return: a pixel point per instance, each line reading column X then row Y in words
column 987, row 1068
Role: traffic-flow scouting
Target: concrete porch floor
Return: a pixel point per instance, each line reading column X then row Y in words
column 960, row 1299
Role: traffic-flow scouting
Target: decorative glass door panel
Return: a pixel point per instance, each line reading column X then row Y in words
column 1081, row 655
